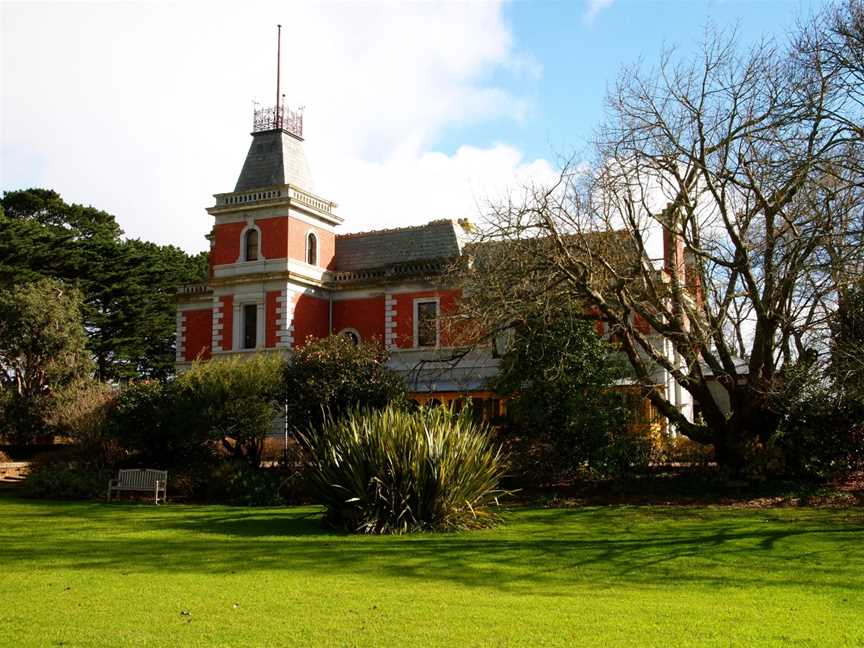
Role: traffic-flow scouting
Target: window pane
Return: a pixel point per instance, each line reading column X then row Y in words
column 252, row 245
column 311, row 249
column 427, row 324
column 250, row 326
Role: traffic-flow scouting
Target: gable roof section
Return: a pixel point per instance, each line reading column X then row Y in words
column 439, row 239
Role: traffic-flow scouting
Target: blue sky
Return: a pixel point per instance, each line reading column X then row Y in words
column 581, row 57
column 414, row 111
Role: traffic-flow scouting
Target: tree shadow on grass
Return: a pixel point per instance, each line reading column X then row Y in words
column 539, row 551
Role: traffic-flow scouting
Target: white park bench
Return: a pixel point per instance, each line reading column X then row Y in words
column 13, row 469
column 147, row 480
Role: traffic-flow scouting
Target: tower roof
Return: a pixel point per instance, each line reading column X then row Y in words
column 275, row 157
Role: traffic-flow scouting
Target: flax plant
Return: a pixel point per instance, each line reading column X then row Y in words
column 394, row 471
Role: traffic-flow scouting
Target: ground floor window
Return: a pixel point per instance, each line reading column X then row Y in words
column 250, row 326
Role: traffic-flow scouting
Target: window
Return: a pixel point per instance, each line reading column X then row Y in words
column 426, row 323
column 351, row 335
column 250, row 245
column 250, row 326
column 311, row 249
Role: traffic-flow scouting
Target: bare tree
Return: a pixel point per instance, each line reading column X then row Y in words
column 707, row 232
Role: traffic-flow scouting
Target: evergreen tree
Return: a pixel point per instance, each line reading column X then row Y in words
column 127, row 285
column 42, row 353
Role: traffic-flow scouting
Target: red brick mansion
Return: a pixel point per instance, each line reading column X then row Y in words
column 280, row 275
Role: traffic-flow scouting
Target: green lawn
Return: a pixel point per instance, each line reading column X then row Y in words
column 82, row 574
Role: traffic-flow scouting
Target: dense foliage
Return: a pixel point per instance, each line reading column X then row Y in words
column 127, row 285
column 147, row 420
column 333, row 375
column 65, row 482
column 233, row 401
column 822, row 437
column 42, row 355
column 561, row 376
column 391, row 471
column 847, row 342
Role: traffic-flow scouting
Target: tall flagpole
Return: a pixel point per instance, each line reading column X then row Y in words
column 278, row 73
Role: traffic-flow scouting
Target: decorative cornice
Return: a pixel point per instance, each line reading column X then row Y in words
column 275, row 195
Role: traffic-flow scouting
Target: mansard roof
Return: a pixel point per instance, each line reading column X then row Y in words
column 275, row 157
column 436, row 240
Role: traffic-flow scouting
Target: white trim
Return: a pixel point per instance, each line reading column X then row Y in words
column 357, row 294
column 216, row 333
column 265, row 266
column 314, row 235
column 194, row 306
column 389, row 321
column 285, row 322
column 303, row 269
column 180, row 342
column 427, row 300
column 241, row 256
column 241, row 301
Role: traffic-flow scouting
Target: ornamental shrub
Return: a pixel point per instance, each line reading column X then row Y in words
column 822, row 437
column 64, row 480
column 334, row 375
column 232, row 401
column 148, row 422
column 393, row 471
column 235, row 482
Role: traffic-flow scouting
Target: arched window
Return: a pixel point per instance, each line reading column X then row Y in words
column 250, row 245
column 311, row 249
column 351, row 335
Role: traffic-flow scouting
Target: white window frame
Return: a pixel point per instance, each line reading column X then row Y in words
column 250, row 226
column 314, row 235
column 348, row 329
column 240, row 323
column 427, row 300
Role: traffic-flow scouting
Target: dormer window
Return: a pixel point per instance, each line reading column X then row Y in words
column 311, row 249
column 250, row 245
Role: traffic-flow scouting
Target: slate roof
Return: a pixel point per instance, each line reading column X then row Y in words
column 439, row 239
column 275, row 157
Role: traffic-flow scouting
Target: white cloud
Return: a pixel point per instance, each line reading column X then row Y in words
column 417, row 188
column 593, row 8
column 144, row 109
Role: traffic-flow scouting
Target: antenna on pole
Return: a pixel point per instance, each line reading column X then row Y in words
column 278, row 74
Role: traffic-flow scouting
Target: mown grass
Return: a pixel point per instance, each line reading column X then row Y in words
column 90, row 574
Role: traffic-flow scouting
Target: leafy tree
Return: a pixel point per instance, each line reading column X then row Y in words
column 847, row 343
column 127, row 285
column 132, row 308
column 747, row 162
column 234, row 401
column 561, row 374
column 42, row 353
column 334, row 375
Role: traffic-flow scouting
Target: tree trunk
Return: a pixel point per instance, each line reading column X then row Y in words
column 730, row 454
